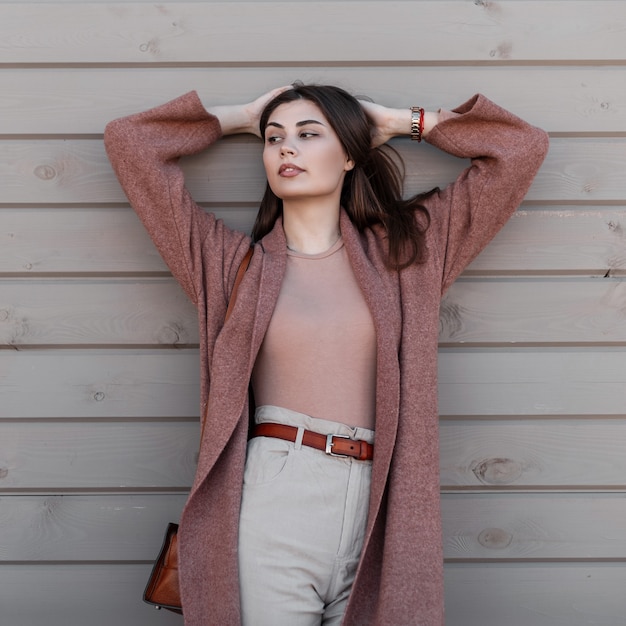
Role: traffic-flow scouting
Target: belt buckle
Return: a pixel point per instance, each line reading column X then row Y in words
column 330, row 444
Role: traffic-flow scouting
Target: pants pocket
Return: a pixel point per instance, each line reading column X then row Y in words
column 266, row 460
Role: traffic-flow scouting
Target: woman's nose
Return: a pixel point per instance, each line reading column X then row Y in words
column 286, row 149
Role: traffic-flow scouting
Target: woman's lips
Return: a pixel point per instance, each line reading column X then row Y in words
column 288, row 170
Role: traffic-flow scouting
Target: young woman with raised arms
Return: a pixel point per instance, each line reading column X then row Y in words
column 326, row 510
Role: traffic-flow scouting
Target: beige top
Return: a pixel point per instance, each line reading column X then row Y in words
column 319, row 353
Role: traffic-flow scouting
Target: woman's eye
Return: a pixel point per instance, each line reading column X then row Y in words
column 307, row 133
column 272, row 139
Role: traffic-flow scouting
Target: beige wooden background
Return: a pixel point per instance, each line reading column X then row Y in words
column 98, row 360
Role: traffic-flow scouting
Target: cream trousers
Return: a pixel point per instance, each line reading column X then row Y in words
column 303, row 517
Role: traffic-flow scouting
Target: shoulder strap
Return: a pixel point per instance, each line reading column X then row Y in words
column 240, row 272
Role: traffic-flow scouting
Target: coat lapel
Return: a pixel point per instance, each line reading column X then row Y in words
column 381, row 290
column 238, row 344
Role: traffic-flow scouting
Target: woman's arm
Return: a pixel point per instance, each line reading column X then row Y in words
column 244, row 118
column 506, row 153
column 390, row 122
column 144, row 150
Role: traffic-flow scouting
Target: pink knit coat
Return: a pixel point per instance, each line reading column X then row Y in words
column 400, row 576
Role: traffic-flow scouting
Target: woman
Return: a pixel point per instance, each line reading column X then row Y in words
column 335, row 330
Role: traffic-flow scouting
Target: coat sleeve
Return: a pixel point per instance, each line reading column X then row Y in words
column 144, row 150
column 506, row 153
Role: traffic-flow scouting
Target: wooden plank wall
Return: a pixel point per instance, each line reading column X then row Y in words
column 98, row 360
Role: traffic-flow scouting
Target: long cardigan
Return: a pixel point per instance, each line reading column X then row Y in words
column 400, row 575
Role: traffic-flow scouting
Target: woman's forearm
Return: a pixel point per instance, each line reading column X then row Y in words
column 243, row 118
column 233, row 119
column 399, row 121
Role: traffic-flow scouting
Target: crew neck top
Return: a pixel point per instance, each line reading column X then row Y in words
column 318, row 356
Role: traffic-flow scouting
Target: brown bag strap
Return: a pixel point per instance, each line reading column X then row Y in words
column 240, row 272
column 231, row 303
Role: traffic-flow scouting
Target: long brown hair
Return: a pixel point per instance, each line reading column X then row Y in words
column 372, row 190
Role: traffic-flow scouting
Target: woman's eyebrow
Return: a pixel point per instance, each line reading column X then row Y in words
column 298, row 124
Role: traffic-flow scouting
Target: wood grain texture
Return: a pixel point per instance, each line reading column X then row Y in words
column 83, row 384
column 532, row 382
column 534, row 311
column 72, row 312
column 121, row 455
column 563, row 240
column 517, row 594
column 534, row 526
column 77, row 171
column 164, row 383
column 86, row 241
column 560, row 240
column 137, row 32
column 103, row 455
column 155, row 312
column 127, row 527
column 517, row 453
column 543, row 594
column 90, row 594
column 80, row 100
column 85, row 527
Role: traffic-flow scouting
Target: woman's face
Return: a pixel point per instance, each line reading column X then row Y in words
column 302, row 154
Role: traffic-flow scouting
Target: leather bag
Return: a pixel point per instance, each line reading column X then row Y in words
column 163, row 590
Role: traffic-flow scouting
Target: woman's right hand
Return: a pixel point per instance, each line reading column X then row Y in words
column 244, row 118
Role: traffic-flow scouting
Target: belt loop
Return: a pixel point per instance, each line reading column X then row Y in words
column 299, row 435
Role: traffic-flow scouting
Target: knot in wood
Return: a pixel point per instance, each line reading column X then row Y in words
column 45, row 172
column 497, row 471
column 495, row 538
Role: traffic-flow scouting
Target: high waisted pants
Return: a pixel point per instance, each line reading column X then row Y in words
column 303, row 517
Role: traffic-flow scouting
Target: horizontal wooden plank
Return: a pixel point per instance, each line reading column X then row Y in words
column 99, row 383
column 532, row 382
column 534, row 310
column 93, row 594
column 156, row 312
column 214, row 32
column 77, row 171
column 76, row 100
column 86, row 240
column 164, row 383
column 149, row 311
column 546, row 594
column 118, row 527
column 85, row 527
column 519, row 594
column 534, row 526
column 565, row 239
column 98, row 455
column 552, row 453
column 518, row 454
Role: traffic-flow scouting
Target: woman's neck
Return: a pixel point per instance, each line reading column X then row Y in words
column 311, row 230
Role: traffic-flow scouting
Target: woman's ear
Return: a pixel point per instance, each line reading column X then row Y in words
column 349, row 165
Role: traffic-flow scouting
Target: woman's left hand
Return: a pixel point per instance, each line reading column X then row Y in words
column 386, row 122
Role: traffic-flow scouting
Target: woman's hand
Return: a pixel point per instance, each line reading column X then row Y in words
column 244, row 118
column 388, row 122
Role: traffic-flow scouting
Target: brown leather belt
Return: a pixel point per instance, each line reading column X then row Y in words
column 334, row 445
